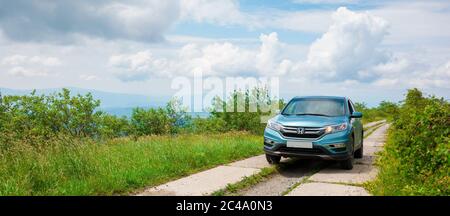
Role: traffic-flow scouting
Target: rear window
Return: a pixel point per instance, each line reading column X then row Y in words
column 324, row 107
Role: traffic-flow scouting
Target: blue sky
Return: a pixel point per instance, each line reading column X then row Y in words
column 370, row 51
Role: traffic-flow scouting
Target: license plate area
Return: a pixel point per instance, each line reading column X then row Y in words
column 299, row 144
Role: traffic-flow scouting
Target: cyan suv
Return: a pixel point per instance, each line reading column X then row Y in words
column 316, row 127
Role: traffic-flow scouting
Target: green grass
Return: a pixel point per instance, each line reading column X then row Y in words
column 78, row 167
column 233, row 189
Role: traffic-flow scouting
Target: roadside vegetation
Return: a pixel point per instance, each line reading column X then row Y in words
column 385, row 110
column 415, row 160
column 62, row 144
column 84, row 167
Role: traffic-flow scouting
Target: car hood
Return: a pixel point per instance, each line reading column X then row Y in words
column 308, row 120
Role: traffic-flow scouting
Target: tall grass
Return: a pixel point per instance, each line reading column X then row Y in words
column 85, row 167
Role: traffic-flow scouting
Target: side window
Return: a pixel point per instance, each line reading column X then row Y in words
column 350, row 107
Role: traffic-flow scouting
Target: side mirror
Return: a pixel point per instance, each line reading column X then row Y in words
column 356, row 115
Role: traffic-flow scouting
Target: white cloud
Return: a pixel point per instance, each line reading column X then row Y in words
column 214, row 11
column 436, row 77
column 23, row 72
column 88, row 77
column 349, row 49
column 33, row 60
column 138, row 66
column 416, row 23
column 214, row 59
column 46, row 61
column 25, row 66
column 14, row 60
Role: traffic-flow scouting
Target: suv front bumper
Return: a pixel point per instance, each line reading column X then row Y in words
column 275, row 144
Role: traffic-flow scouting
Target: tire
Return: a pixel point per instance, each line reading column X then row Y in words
column 360, row 152
column 272, row 159
column 348, row 163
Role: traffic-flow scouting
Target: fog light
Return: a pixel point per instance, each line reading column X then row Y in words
column 339, row 145
column 269, row 141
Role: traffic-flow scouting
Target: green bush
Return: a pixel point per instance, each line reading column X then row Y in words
column 150, row 121
column 243, row 110
column 111, row 126
column 385, row 110
column 416, row 156
column 36, row 119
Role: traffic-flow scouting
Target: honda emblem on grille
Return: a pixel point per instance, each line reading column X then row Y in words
column 300, row 130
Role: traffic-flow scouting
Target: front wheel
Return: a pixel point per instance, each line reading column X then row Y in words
column 272, row 159
column 359, row 153
column 347, row 164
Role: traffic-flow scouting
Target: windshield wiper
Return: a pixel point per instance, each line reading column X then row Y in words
column 315, row 114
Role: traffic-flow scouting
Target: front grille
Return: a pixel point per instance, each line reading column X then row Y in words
column 301, row 150
column 302, row 132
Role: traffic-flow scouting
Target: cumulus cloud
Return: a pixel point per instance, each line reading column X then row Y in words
column 29, row 66
column 36, row 20
column 435, row 77
column 31, row 60
column 24, row 72
column 138, row 66
column 14, row 60
column 350, row 49
column 214, row 59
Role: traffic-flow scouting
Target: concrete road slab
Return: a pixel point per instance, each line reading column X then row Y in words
column 367, row 160
column 325, row 189
column 202, row 183
column 253, row 162
column 370, row 124
column 358, row 175
column 371, row 150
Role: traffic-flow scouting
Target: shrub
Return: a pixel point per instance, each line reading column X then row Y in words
column 416, row 156
column 244, row 110
column 385, row 110
column 111, row 126
column 38, row 118
column 150, row 121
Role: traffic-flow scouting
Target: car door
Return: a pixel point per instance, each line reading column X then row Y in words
column 357, row 125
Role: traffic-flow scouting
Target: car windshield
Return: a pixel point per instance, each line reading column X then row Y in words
column 319, row 107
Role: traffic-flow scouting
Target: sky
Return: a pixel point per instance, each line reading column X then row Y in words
column 369, row 51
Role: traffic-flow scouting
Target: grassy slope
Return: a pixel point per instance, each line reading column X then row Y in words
column 119, row 166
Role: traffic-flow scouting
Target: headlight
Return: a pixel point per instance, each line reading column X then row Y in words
column 273, row 125
column 335, row 128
